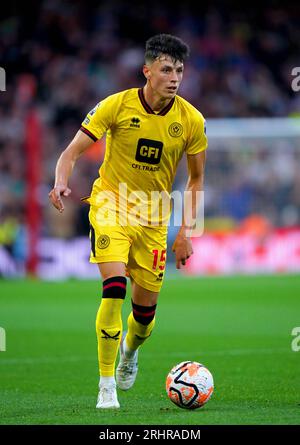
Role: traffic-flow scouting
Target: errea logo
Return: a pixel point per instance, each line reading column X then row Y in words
column 160, row 276
column 135, row 122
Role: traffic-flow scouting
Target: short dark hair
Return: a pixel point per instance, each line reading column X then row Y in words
column 166, row 44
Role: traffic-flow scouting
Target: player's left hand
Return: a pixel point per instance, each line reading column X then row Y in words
column 183, row 249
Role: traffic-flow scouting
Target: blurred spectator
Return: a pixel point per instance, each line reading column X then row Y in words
column 70, row 55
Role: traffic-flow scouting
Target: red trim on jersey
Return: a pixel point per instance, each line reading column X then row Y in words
column 147, row 107
column 167, row 108
column 144, row 103
column 84, row 130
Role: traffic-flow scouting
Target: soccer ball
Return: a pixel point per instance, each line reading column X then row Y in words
column 189, row 385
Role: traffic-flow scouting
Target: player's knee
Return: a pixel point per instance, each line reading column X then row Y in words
column 143, row 314
column 114, row 287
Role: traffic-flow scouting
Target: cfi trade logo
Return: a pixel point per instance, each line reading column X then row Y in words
column 148, row 151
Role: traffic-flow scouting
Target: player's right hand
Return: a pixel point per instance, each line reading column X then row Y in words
column 55, row 196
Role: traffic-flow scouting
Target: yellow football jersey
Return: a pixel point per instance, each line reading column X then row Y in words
column 143, row 149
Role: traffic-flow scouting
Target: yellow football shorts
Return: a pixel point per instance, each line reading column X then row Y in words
column 141, row 248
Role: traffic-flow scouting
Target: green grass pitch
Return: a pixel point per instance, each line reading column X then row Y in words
column 239, row 327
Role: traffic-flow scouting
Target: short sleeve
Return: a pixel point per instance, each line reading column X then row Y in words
column 197, row 141
column 100, row 118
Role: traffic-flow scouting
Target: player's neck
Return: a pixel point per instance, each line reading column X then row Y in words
column 156, row 102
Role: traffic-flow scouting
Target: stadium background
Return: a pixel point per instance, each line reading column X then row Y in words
column 60, row 59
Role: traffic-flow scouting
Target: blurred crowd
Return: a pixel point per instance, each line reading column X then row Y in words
column 63, row 57
column 262, row 177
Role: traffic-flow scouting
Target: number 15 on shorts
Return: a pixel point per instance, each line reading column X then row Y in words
column 159, row 259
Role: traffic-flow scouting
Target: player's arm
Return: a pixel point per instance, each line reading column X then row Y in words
column 64, row 168
column 182, row 245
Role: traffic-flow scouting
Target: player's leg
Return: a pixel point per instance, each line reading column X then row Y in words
column 146, row 265
column 109, row 329
column 108, row 320
column 141, row 319
column 109, row 250
column 140, row 324
column 147, row 272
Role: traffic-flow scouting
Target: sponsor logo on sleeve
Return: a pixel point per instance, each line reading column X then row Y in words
column 93, row 111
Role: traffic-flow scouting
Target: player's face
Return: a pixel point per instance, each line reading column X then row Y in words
column 165, row 76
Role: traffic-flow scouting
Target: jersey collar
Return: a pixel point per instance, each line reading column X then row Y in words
column 147, row 107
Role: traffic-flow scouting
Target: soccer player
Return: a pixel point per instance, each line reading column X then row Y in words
column 148, row 130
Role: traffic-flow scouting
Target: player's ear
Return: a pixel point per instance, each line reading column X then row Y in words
column 146, row 72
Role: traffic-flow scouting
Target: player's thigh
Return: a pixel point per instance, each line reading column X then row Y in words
column 147, row 258
column 109, row 243
column 112, row 269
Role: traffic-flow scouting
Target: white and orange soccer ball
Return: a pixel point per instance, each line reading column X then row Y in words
column 189, row 385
